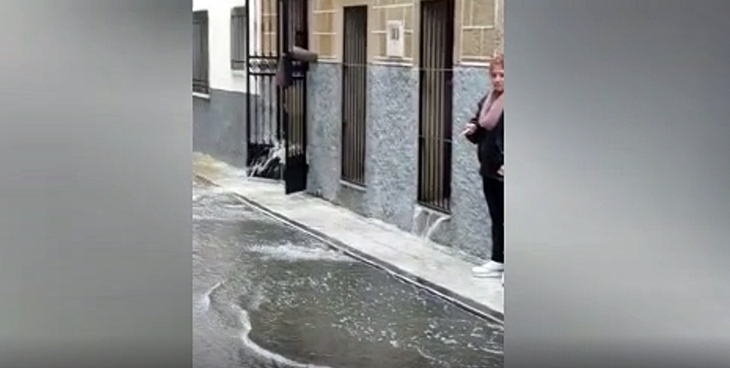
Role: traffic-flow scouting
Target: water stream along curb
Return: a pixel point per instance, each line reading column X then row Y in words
column 465, row 303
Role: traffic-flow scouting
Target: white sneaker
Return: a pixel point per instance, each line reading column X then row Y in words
column 489, row 269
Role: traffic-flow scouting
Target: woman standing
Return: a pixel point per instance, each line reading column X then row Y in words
column 486, row 130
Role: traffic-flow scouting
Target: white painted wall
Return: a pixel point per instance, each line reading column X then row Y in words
column 219, row 42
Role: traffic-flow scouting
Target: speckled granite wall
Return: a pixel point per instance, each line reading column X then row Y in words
column 469, row 223
column 392, row 152
column 324, row 109
column 391, row 147
column 219, row 126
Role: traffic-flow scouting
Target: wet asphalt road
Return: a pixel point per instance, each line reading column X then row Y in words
column 267, row 295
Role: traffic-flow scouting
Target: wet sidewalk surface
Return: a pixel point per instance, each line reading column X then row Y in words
column 266, row 294
column 398, row 250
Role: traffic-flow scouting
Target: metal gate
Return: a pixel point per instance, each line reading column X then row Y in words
column 276, row 117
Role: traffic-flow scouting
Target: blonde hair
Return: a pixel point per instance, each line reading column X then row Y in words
column 497, row 61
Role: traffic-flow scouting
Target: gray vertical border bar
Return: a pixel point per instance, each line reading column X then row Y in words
column 618, row 169
column 95, row 200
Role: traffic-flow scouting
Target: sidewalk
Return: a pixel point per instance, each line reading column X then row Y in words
column 405, row 255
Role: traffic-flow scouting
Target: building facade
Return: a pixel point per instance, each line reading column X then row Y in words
column 395, row 82
column 220, row 86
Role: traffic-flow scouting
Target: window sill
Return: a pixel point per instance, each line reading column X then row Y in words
column 351, row 185
column 394, row 62
column 201, row 96
column 238, row 73
column 473, row 64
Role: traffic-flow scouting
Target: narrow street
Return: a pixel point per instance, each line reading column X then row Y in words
column 268, row 295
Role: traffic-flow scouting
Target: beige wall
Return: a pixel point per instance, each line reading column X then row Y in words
column 324, row 28
column 382, row 11
column 478, row 28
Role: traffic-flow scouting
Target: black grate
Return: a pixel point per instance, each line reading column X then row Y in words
column 263, row 128
column 354, row 92
column 435, row 104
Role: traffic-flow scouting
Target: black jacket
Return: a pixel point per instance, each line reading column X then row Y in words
column 490, row 145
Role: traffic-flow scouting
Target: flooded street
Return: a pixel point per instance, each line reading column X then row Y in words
column 268, row 295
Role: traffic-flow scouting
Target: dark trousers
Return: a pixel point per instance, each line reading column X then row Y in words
column 494, row 194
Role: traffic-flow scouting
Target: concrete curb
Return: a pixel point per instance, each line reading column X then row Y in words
column 464, row 303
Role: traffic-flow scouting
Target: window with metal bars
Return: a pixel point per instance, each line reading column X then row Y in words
column 201, row 83
column 239, row 35
column 435, row 104
column 354, row 77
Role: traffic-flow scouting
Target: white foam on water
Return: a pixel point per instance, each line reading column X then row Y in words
column 425, row 222
column 277, row 152
column 433, row 227
column 203, row 303
column 425, row 355
column 209, row 194
column 206, row 161
column 273, row 357
column 220, row 219
column 221, row 205
column 225, row 213
column 291, row 252
column 205, row 298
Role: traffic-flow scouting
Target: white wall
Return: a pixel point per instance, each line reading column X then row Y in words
column 219, row 42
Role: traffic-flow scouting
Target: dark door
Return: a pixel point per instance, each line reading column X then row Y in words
column 293, row 102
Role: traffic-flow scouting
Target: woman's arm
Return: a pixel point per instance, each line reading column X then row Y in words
column 477, row 135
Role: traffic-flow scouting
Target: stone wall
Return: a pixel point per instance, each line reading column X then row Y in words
column 478, row 28
column 391, row 165
column 391, row 161
column 219, row 126
column 478, row 35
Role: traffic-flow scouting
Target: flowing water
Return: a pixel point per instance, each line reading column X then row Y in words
column 267, row 295
column 426, row 222
column 269, row 164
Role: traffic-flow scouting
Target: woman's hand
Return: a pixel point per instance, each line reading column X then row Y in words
column 469, row 129
column 500, row 172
